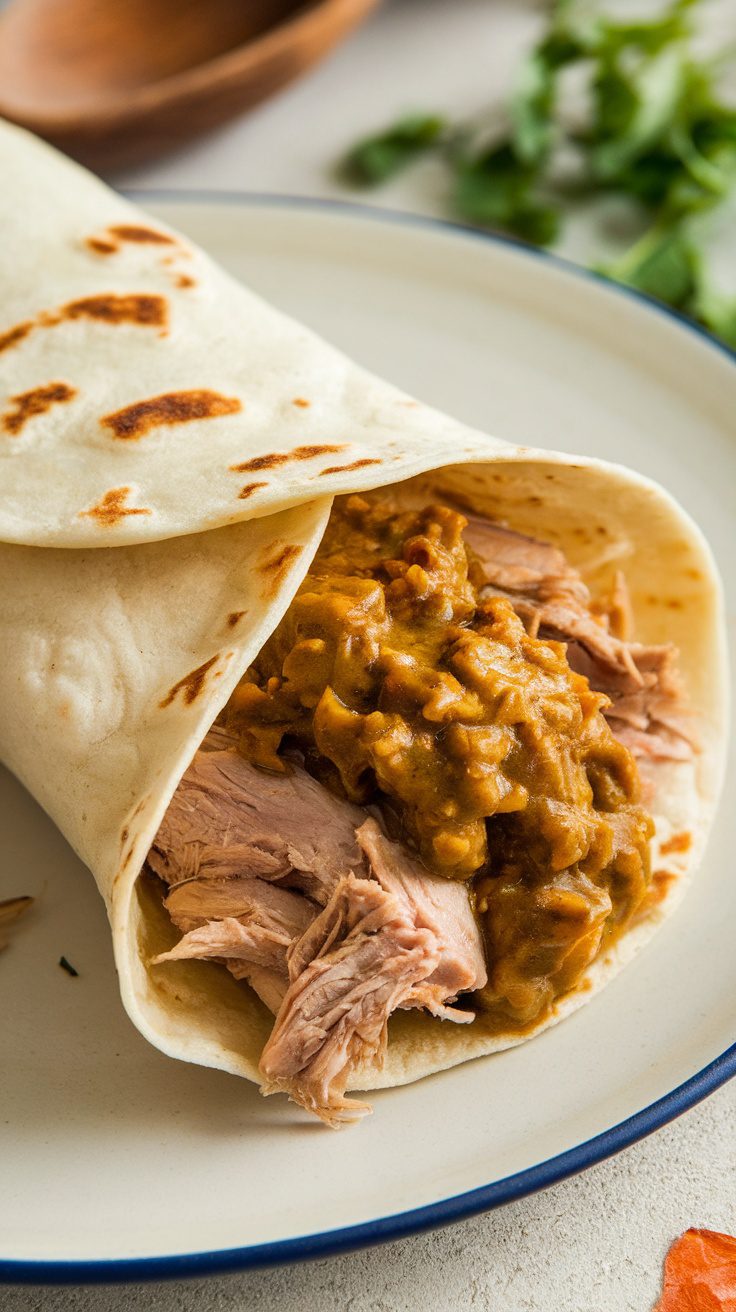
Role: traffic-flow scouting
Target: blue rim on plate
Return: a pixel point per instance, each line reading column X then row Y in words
column 512, row 1187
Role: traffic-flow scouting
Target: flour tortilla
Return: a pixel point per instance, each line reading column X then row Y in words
column 196, row 336
column 123, row 638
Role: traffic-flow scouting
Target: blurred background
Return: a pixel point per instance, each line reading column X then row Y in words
column 605, row 131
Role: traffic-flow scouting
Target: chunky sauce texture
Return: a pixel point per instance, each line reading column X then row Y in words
column 404, row 684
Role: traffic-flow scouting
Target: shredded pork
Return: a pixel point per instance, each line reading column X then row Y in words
column 401, row 939
column 334, row 925
column 647, row 711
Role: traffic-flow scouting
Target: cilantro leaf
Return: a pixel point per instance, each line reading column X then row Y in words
column 657, row 131
column 651, row 177
column 496, row 191
column 533, row 99
column 634, row 111
column 661, row 264
column 649, row 36
column 378, row 158
column 531, row 110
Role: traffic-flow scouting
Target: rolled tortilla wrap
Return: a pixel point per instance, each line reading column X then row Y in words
column 192, row 484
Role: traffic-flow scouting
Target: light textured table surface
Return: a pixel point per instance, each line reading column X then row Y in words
column 594, row 1243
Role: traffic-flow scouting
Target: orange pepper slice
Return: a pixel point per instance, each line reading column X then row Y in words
column 700, row 1273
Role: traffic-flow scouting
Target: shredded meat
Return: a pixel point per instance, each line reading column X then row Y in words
column 229, row 817
column 650, row 717
column 250, row 858
column 399, row 940
column 357, row 964
column 647, row 712
column 300, row 893
column 247, row 922
column 434, row 904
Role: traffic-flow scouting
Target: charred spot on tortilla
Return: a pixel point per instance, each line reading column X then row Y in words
column 141, row 235
column 248, row 489
column 302, row 402
column 274, row 458
column 100, row 246
column 681, row 842
column 259, row 462
column 346, row 469
column 191, row 685
column 143, row 309
column 285, row 553
column 308, row 452
column 234, row 618
column 184, row 280
column 277, row 564
column 15, row 335
column 111, row 508
column 35, row 402
column 133, row 421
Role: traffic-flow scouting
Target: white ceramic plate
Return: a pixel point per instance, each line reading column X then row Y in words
column 118, row 1162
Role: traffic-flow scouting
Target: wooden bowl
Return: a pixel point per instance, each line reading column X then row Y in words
column 114, row 81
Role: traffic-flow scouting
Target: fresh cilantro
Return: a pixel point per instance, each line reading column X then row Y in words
column 378, row 158
column 634, row 111
column 495, row 191
column 661, row 264
column 531, row 109
column 657, row 131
